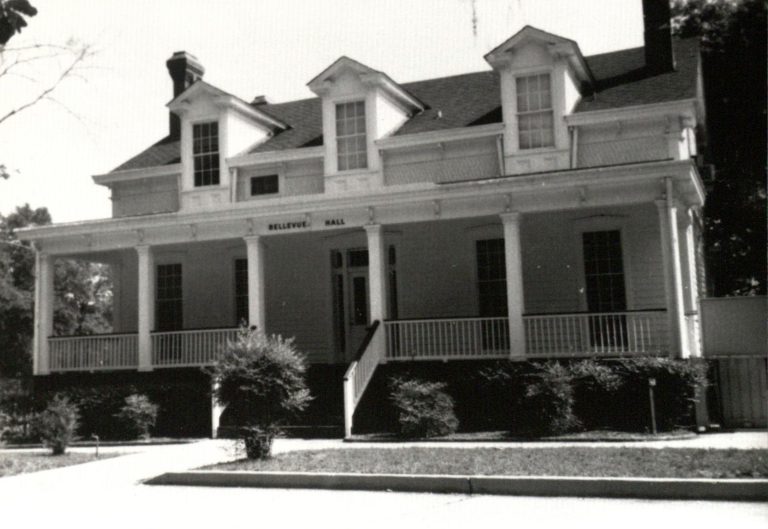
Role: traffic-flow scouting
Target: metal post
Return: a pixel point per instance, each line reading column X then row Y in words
column 651, row 385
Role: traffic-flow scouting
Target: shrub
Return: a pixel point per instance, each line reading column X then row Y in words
column 549, row 394
column 675, row 393
column 17, row 411
column 262, row 379
column 57, row 424
column 138, row 415
column 424, row 409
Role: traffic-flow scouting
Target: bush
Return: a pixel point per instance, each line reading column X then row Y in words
column 549, row 394
column 675, row 393
column 558, row 397
column 138, row 415
column 261, row 380
column 17, row 411
column 424, row 409
column 57, row 424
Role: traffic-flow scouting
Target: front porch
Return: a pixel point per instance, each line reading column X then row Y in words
column 571, row 335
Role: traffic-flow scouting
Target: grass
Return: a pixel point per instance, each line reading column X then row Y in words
column 608, row 462
column 503, row 436
column 12, row 463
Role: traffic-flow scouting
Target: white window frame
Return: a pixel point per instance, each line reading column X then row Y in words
column 364, row 134
column 196, row 155
column 522, row 113
column 609, row 222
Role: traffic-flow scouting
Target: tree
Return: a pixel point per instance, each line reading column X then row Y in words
column 39, row 68
column 733, row 36
column 83, row 293
column 13, row 15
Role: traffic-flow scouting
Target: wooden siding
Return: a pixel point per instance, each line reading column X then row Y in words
column 304, row 177
column 619, row 143
column 450, row 162
column 143, row 197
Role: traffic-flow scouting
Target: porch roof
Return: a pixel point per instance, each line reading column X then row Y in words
column 593, row 187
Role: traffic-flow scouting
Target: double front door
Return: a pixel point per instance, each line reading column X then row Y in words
column 351, row 303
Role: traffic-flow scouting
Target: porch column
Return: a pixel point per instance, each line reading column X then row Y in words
column 44, row 298
column 673, row 277
column 514, row 265
column 256, row 300
column 691, row 280
column 377, row 272
column 146, row 271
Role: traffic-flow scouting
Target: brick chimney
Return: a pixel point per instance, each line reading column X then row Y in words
column 185, row 69
column 659, row 57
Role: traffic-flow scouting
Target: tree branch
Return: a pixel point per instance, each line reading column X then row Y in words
column 81, row 55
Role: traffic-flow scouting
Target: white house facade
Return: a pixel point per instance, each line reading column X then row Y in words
column 547, row 207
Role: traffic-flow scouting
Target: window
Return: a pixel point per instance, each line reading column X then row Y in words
column 351, row 143
column 205, row 151
column 534, row 112
column 241, row 291
column 491, row 278
column 169, row 298
column 604, row 271
column 264, row 185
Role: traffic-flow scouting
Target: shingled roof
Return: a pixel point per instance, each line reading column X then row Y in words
column 474, row 99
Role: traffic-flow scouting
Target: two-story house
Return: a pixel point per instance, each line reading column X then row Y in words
column 547, row 207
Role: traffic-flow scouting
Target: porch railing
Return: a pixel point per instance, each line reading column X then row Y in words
column 360, row 372
column 454, row 338
column 547, row 335
column 597, row 334
column 189, row 348
column 92, row 353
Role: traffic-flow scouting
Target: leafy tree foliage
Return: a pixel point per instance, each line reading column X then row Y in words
column 13, row 15
column 83, row 293
column 733, row 36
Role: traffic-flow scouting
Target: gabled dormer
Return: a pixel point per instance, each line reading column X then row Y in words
column 213, row 126
column 359, row 105
column 543, row 77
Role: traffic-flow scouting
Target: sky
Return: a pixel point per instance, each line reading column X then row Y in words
column 115, row 106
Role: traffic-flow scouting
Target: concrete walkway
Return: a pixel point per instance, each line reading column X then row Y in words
column 109, row 493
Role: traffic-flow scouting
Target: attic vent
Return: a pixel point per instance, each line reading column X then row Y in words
column 260, row 100
column 439, row 114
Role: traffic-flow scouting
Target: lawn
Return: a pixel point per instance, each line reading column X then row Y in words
column 612, row 462
column 12, row 463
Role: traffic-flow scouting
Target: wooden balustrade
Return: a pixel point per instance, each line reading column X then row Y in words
column 455, row 338
column 597, row 334
column 548, row 335
column 189, row 348
column 92, row 353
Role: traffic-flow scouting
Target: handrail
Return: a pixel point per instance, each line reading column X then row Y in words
column 584, row 312
column 96, row 335
column 360, row 372
column 371, row 330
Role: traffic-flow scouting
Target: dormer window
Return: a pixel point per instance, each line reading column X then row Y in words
column 205, row 151
column 351, row 140
column 535, row 118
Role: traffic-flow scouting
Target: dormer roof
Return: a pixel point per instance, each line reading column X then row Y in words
column 556, row 45
column 222, row 99
column 322, row 82
column 467, row 100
